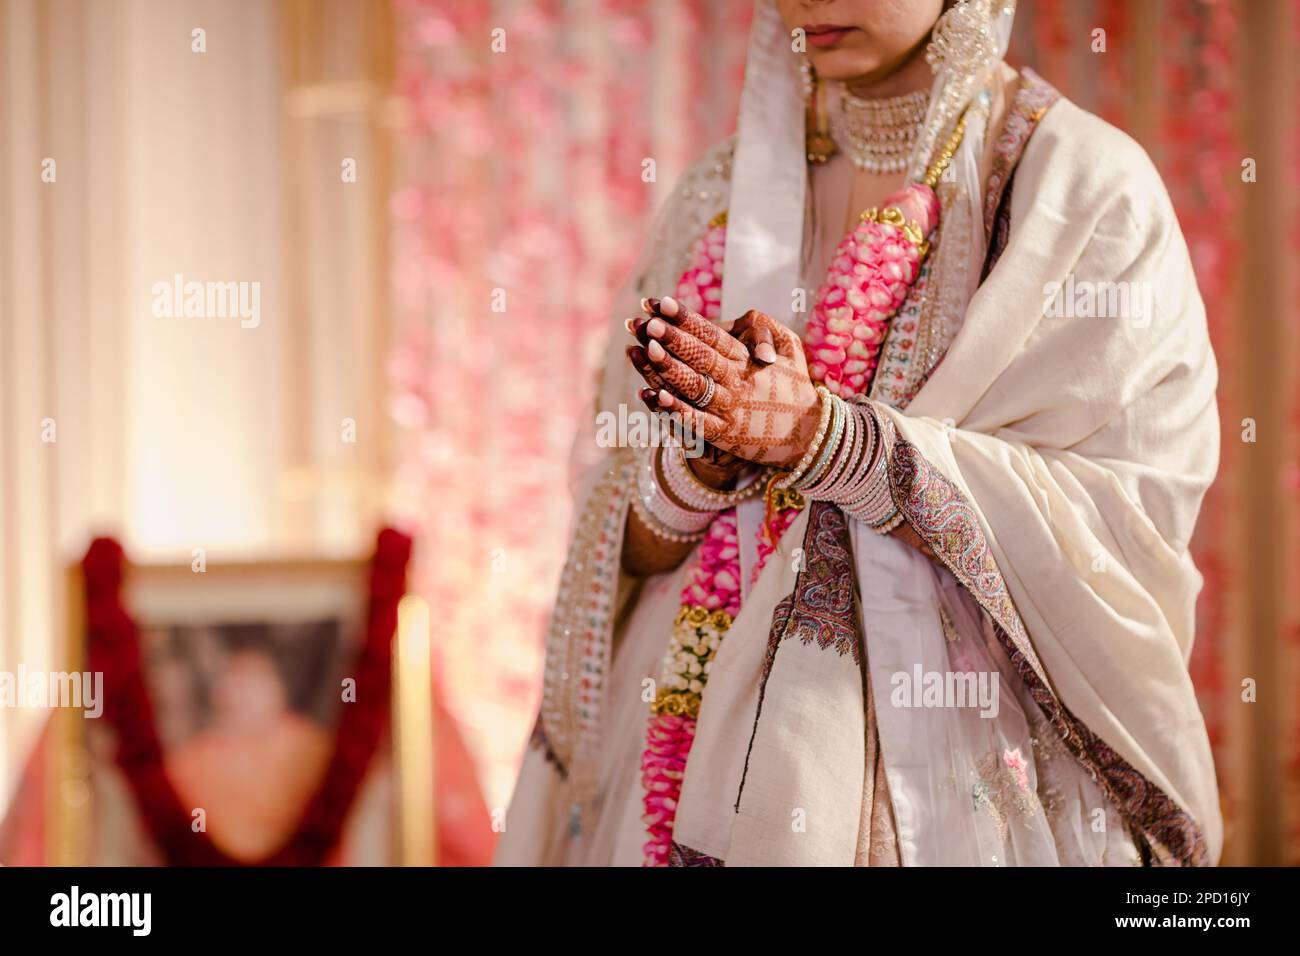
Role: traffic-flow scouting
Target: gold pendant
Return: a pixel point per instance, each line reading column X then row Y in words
column 820, row 146
column 818, row 142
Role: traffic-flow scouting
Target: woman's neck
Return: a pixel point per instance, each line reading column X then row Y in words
column 905, row 75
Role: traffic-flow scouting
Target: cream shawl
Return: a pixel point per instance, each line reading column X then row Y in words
column 1056, row 465
column 1086, row 444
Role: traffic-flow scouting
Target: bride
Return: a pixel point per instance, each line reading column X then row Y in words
column 926, row 599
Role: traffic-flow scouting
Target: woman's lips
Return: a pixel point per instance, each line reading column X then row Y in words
column 825, row 34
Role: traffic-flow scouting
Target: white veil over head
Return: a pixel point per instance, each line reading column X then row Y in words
column 765, row 217
column 768, row 175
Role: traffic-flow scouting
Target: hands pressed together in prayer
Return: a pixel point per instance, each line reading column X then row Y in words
column 742, row 385
column 763, row 407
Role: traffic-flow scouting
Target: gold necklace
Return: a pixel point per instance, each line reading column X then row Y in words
column 878, row 135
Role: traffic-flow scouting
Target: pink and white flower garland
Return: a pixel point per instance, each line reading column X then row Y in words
column 874, row 268
column 710, row 601
column 700, row 287
column 869, row 278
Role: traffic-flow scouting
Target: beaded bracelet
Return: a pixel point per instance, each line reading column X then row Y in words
column 661, row 530
column 888, row 524
column 834, row 436
column 693, row 493
column 669, row 515
column 824, row 394
column 840, row 454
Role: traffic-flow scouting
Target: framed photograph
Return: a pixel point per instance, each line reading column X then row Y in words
column 226, row 743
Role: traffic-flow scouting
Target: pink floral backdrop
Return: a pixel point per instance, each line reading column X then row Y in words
column 523, row 135
column 521, row 207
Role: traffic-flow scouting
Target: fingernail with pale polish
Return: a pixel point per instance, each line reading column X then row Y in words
column 656, row 328
column 669, row 307
column 656, row 352
column 650, row 305
column 765, row 353
column 630, row 325
column 665, row 398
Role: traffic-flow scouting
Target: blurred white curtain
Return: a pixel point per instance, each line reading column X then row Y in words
column 223, row 165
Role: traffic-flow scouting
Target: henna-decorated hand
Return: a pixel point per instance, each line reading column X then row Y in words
column 715, row 467
column 763, row 410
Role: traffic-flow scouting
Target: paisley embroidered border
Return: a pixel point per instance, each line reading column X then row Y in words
column 820, row 608
column 1034, row 97
column 947, row 522
column 681, row 855
column 940, row 514
column 823, row 610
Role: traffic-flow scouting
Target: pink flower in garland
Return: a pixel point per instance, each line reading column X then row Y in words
column 870, row 276
column 714, row 582
column 663, row 764
column 710, row 600
column 700, row 287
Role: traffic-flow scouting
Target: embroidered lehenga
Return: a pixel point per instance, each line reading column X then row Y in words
column 1053, row 469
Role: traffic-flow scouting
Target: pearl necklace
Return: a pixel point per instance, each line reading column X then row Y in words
column 878, row 135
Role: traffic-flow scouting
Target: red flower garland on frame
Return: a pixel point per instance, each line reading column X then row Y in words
column 115, row 650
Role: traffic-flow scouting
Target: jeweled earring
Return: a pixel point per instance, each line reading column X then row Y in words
column 818, row 142
column 963, row 37
column 961, row 52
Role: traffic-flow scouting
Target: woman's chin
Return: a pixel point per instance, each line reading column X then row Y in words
column 843, row 64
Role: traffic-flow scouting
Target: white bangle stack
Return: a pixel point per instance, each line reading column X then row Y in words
column 857, row 476
column 693, row 493
column 659, row 512
column 874, row 502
